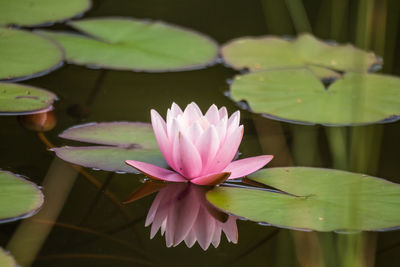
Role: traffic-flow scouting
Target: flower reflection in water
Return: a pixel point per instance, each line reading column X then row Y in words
column 183, row 214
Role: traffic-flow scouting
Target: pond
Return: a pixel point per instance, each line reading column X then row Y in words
column 279, row 146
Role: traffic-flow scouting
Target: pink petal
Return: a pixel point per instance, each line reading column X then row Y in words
column 153, row 209
column 230, row 230
column 212, row 115
column 173, row 129
column 223, row 113
column 159, row 219
column 166, row 199
column 190, row 238
column 194, row 132
column 217, row 234
column 163, row 227
column 221, row 129
column 196, row 107
column 182, row 216
column 192, row 113
column 160, row 132
column 175, row 110
column 207, row 145
column 227, row 152
column 233, row 122
column 243, row 167
column 173, row 113
column 204, row 228
column 155, row 172
column 163, row 199
column 188, row 158
column 211, row 179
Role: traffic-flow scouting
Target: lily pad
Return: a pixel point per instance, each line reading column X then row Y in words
column 18, row 99
column 296, row 95
column 124, row 140
column 36, row 12
column 25, row 55
column 125, row 134
column 6, row 260
column 19, row 198
column 139, row 45
column 315, row 199
column 265, row 53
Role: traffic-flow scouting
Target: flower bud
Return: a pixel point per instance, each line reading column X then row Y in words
column 39, row 122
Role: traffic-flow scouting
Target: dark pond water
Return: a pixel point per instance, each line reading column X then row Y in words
column 92, row 230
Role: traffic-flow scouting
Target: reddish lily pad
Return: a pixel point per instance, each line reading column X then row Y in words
column 124, row 140
column 138, row 45
column 122, row 134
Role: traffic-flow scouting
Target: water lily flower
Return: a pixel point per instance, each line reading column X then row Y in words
column 199, row 148
column 182, row 213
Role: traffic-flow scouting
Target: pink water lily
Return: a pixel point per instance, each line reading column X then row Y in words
column 182, row 213
column 199, row 148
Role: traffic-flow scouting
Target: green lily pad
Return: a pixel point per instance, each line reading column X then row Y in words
column 18, row 99
column 36, row 12
column 24, row 55
column 298, row 96
column 124, row 140
column 139, row 45
column 6, row 260
column 265, row 53
column 315, row 199
column 19, row 198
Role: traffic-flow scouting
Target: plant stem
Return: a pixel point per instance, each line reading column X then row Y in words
column 338, row 144
column 298, row 15
column 277, row 17
column 305, row 145
column 364, row 23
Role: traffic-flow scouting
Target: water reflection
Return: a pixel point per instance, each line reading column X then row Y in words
column 182, row 213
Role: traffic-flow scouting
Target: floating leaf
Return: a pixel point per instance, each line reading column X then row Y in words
column 264, row 53
column 19, row 198
column 108, row 158
column 140, row 45
column 128, row 140
column 317, row 199
column 18, row 99
column 6, row 260
column 36, row 12
column 24, row 54
column 123, row 134
column 297, row 95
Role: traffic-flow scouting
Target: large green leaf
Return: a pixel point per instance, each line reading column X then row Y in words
column 142, row 45
column 35, row 12
column 6, row 260
column 24, row 54
column 18, row 99
column 19, row 198
column 297, row 95
column 127, row 140
column 264, row 53
column 317, row 199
